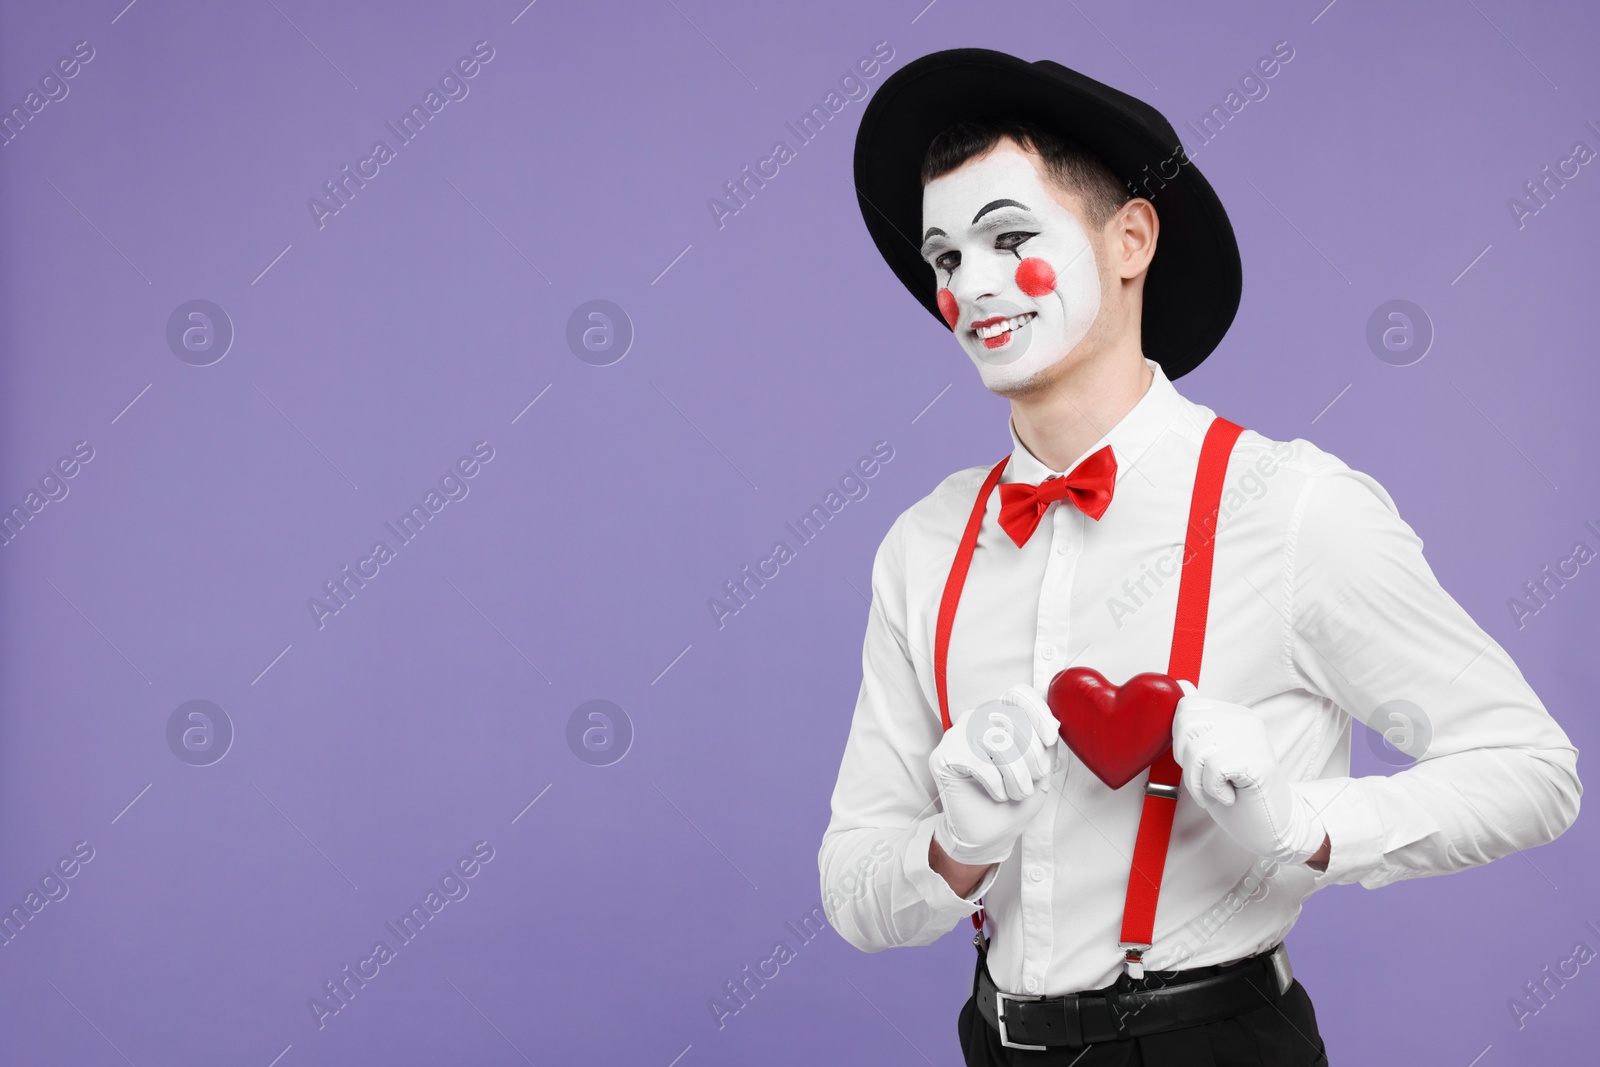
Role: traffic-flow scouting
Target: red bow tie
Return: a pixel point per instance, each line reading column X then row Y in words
column 1089, row 486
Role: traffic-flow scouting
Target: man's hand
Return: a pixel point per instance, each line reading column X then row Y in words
column 1230, row 770
column 993, row 769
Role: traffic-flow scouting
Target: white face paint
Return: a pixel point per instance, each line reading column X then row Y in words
column 1017, row 275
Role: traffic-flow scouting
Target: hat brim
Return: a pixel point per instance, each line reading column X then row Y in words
column 1194, row 281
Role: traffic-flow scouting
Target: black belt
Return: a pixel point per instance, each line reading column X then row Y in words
column 1133, row 1007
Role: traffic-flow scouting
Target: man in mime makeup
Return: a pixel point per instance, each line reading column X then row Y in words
column 1083, row 263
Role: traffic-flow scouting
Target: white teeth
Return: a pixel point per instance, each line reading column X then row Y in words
column 986, row 332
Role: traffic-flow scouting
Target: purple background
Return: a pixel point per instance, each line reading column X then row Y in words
column 370, row 754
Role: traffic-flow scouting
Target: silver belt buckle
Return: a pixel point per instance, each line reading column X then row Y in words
column 1280, row 968
column 1000, row 998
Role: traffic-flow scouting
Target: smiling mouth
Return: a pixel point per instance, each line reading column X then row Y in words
column 996, row 332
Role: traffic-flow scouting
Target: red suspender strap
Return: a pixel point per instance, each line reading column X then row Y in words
column 1188, row 646
column 952, row 589
column 947, row 610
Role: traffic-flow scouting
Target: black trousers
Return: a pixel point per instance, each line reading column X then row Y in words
column 1275, row 1035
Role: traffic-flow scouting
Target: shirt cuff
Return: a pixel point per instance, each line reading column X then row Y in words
column 930, row 885
column 1354, row 827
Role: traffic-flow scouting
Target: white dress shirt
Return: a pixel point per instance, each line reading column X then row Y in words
column 1322, row 608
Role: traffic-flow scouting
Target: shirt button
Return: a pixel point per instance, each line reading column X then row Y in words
column 1061, row 546
column 1048, row 652
column 1030, row 984
column 1036, row 873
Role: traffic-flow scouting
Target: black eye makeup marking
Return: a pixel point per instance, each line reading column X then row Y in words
column 1011, row 241
column 995, row 205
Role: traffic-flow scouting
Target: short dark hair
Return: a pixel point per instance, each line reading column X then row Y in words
column 1070, row 164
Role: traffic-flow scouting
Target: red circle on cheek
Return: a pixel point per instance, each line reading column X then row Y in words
column 1036, row 277
column 947, row 307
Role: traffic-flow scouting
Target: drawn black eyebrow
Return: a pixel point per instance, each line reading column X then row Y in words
column 993, row 205
column 932, row 230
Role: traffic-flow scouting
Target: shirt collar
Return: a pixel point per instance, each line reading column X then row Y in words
column 1129, row 438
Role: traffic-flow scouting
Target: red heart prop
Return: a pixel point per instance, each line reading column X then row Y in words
column 1117, row 731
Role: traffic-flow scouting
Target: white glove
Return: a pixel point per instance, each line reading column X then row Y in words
column 1230, row 770
column 993, row 769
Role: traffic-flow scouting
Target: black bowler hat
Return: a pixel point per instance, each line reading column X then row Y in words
column 1192, row 288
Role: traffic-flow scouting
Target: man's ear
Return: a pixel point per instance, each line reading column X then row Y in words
column 1131, row 237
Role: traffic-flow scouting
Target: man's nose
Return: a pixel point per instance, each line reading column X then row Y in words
column 982, row 279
